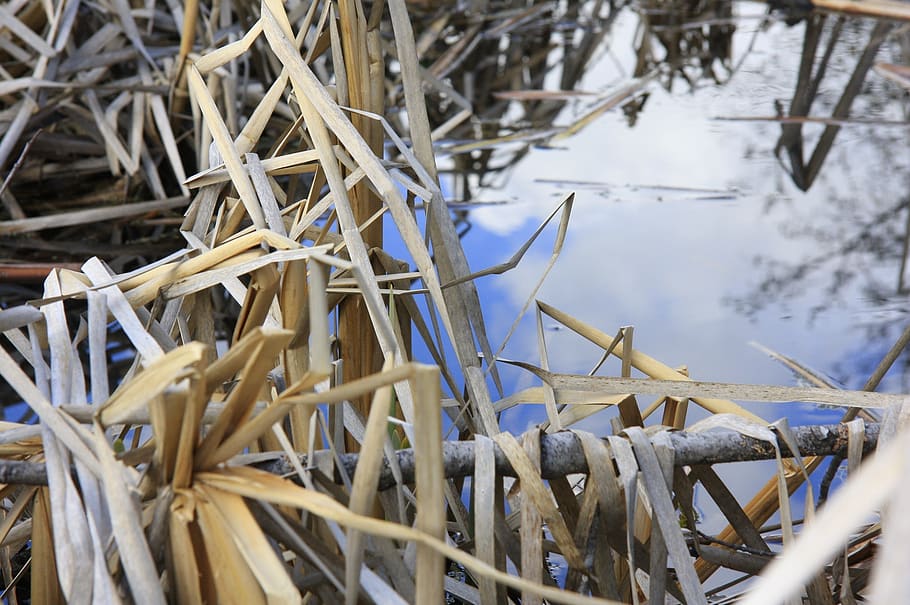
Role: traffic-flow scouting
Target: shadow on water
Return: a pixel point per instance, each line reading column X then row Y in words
column 507, row 75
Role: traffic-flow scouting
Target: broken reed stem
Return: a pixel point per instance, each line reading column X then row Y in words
column 561, row 455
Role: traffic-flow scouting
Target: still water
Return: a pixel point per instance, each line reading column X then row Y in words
column 690, row 225
column 687, row 226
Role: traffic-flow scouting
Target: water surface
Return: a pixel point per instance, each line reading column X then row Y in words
column 689, row 227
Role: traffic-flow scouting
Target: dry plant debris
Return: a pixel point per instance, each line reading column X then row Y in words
column 159, row 386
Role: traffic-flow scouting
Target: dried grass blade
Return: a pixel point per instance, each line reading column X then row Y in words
column 45, row 587
column 532, row 485
column 628, row 478
column 431, row 513
column 531, row 519
column 258, row 308
column 566, row 207
column 147, row 347
column 730, row 508
column 320, row 353
column 665, row 515
column 263, row 486
column 555, row 423
column 366, row 481
column 849, row 508
column 9, row 21
column 17, row 317
column 159, row 113
column 49, row 416
column 266, row 196
column 158, row 376
column 119, row 488
column 484, row 507
column 72, row 545
column 97, row 339
column 225, row 146
column 237, row 521
column 260, row 424
column 186, row 569
column 10, row 517
column 114, row 146
column 221, row 55
column 605, row 486
column 310, row 91
column 93, row 215
column 306, row 91
column 230, row 579
column 640, row 361
column 262, row 347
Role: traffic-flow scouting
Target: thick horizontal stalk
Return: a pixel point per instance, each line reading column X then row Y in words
column 561, row 454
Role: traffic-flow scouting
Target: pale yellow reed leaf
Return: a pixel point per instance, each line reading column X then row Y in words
column 320, row 346
column 225, row 145
column 429, row 476
column 531, row 519
column 146, row 346
column 92, row 215
column 166, row 414
column 97, row 349
column 640, row 361
column 356, row 247
column 849, row 508
column 266, row 196
column 254, row 312
column 572, row 414
column 72, row 543
column 44, row 585
column 366, row 481
column 289, row 163
column 14, row 514
column 309, row 90
column 554, row 422
column 159, row 113
column 218, row 57
column 8, row 21
column 665, row 516
column 292, row 396
column 484, row 513
column 159, row 375
column 259, row 485
column 261, row 347
column 532, row 486
column 120, row 484
column 232, row 580
column 185, row 567
column 226, row 274
column 462, row 300
column 702, row 392
column 535, row 395
column 253, row 546
column 112, row 142
column 143, row 288
column 62, row 385
column 18, row 317
column 130, row 29
column 242, row 436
